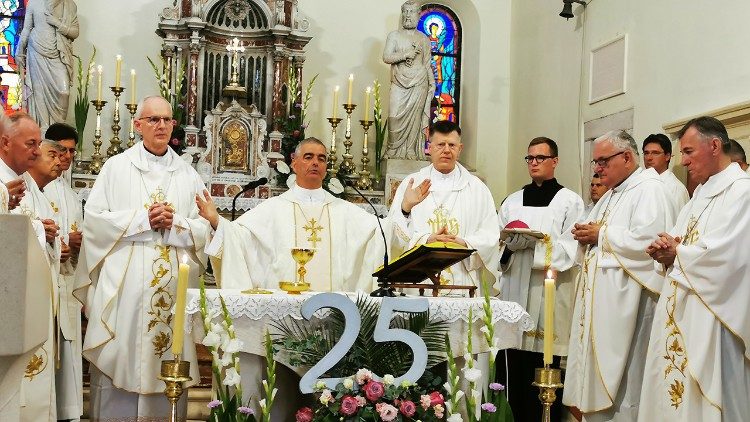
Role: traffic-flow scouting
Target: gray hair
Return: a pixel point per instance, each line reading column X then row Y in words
column 621, row 140
column 310, row 140
column 139, row 108
column 709, row 128
column 54, row 144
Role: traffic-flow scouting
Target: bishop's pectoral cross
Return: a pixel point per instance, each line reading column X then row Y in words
column 442, row 218
column 157, row 197
column 313, row 228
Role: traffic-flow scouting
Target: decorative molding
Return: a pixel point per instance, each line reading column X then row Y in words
column 733, row 117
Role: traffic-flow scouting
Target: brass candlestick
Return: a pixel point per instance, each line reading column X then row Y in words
column 332, row 170
column 347, row 162
column 96, row 158
column 548, row 380
column 132, row 108
column 364, row 182
column 114, row 143
column 174, row 373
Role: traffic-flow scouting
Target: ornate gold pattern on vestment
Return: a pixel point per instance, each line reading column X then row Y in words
column 36, row 365
column 675, row 355
column 54, row 207
column 312, row 227
column 442, row 218
column 74, row 227
column 691, row 234
column 161, row 301
column 538, row 334
column 156, row 197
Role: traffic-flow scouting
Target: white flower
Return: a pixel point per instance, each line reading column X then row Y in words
column 447, row 387
column 211, row 340
column 472, row 374
column 493, row 351
column 226, row 360
column 469, row 359
column 456, row 417
column 273, row 393
column 233, row 346
column 476, row 395
column 335, row 186
column 320, row 385
column 484, row 329
column 459, row 395
column 262, row 403
column 388, row 379
column 362, row 376
column 291, row 180
column 217, row 328
column 326, row 397
column 281, row 167
column 231, row 377
column 348, row 383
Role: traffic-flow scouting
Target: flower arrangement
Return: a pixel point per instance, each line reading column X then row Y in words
column 364, row 398
column 81, row 105
column 176, row 97
column 381, row 129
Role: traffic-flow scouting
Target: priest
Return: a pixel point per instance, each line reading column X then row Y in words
column 545, row 206
column 255, row 250
column 616, row 292
column 141, row 222
column 698, row 364
column 657, row 153
column 459, row 208
column 68, row 215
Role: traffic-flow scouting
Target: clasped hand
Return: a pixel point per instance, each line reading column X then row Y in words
column 442, row 235
column 664, row 249
column 160, row 216
column 586, row 234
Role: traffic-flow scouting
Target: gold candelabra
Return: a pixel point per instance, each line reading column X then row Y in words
column 332, row 169
column 96, row 158
column 365, row 182
column 548, row 380
column 132, row 108
column 114, row 143
column 174, row 373
column 347, row 162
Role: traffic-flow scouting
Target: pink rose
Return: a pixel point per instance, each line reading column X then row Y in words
column 386, row 411
column 349, row 406
column 436, row 398
column 373, row 390
column 304, row 415
column 408, row 408
column 425, row 401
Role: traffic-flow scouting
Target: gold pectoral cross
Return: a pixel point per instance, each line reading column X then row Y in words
column 313, row 228
column 157, row 197
column 441, row 218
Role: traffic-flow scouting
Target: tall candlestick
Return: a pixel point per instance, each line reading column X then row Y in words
column 99, row 83
column 549, row 317
column 349, row 95
column 179, row 316
column 367, row 103
column 132, row 86
column 335, row 100
column 118, row 69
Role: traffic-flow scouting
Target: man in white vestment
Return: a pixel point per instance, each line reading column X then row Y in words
column 545, row 206
column 698, row 364
column 657, row 152
column 616, row 292
column 737, row 154
column 459, row 209
column 596, row 191
column 140, row 223
column 21, row 142
column 68, row 214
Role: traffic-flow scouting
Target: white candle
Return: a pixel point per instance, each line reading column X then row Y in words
column 99, row 83
column 132, row 86
column 335, row 100
column 349, row 95
column 118, row 69
column 549, row 316
column 367, row 103
column 179, row 315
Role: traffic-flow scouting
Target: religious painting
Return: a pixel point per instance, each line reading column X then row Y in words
column 443, row 29
column 234, row 147
column 11, row 22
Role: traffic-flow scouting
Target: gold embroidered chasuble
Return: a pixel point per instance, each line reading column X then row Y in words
column 615, row 296
column 698, row 364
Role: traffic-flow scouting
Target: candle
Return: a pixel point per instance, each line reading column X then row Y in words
column 118, row 68
column 335, row 99
column 99, row 83
column 132, row 86
column 179, row 316
column 549, row 317
column 349, row 95
column 367, row 103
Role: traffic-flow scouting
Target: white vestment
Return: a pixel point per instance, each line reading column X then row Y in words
column 615, row 298
column 677, row 193
column 4, row 199
column 462, row 203
column 69, row 377
column 698, row 365
column 255, row 250
column 127, row 277
column 522, row 277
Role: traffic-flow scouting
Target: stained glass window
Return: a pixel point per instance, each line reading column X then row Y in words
column 443, row 29
column 11, row 21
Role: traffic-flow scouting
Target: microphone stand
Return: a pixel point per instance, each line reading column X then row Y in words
column 251, row 185
column 383, row 289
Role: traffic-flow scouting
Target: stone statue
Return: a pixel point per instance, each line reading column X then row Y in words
column 46, row 52
column 412, row 86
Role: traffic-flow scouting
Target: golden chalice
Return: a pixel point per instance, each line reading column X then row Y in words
column 302, row 256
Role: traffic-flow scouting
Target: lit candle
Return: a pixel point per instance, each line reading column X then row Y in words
column 335, row 100
column 118, row 68
column 549, row 316
column 349, row 95
column 132, row 86
column 367, row 103
column 178, row 328
column 99, row 83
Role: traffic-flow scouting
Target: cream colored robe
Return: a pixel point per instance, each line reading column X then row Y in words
column 128, row 272
column 698, row 365
column 615, row 297
column 255, row 250
column 4, row 198
column 522, row 278
column 464, row 204
column 677, row 193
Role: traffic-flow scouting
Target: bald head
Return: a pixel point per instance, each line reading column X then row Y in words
column 154, row 123
column 20, row 138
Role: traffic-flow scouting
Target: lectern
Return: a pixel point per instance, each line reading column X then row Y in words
column 25, row 295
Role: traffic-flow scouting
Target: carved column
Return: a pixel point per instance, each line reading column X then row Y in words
column 299, row 62
column 277, row 105
column 167, row 52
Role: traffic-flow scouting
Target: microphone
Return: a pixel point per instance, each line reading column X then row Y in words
column 383, row 289
column 251, row 185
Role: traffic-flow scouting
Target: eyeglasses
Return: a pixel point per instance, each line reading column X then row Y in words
column 443, row 145
column 538, row 158
column 655, row 153
column 155, row 120
column 71, row 151
column 604, row 162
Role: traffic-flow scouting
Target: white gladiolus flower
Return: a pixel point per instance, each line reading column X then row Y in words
column 273, row 393
column 494, row 351
column 231, row 377
column 476, row 394
column 456, row 417
column 291, row 180
column 262, row 404
column 459, row 395
column 335, row 186
column 282, row 167
column 348, row 383
column 447, row 387
column 484, row 329
column 472, row 374
column 225, row 360
column 233, row 346
column 217, row 328
column 211, row 340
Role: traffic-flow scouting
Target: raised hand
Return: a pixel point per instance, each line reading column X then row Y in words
column 50, row 230
column 207, row 208
column 415, row 195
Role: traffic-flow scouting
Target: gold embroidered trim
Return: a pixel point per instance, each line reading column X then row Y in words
column 442, row 218
column 538, row 334
column 675, row 355
column 36, row 364
column 161, row 301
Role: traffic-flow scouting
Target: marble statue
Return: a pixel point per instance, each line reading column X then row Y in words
column 46, row 52
column 412, row 86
